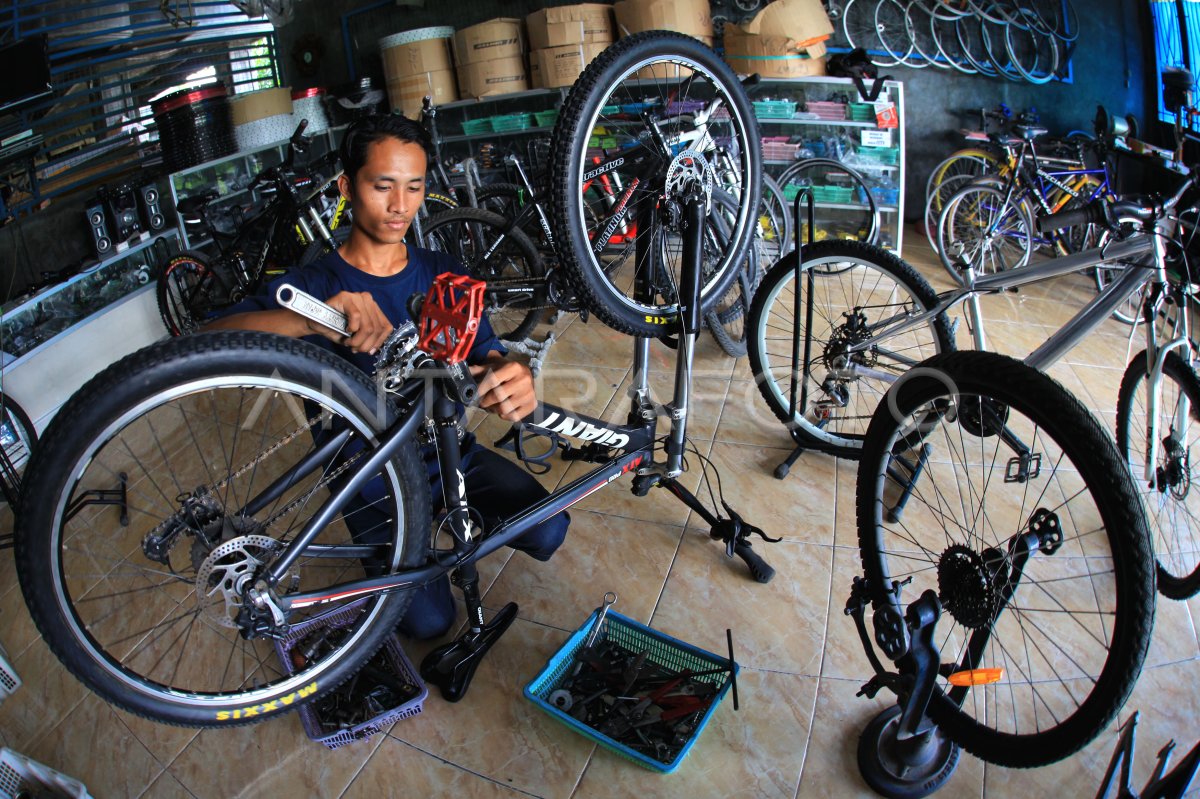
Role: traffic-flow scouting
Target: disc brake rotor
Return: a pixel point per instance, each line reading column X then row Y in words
column 225, row 572
column 688, row 168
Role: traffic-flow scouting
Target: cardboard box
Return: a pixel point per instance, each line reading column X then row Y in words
column 535, row 72
column 253, row 106
column 784, row 40
column 803, row 21
column 693, row 17
column 560, row 66
column 498, row 76
column 407, row 93
column 772, row 56
column 586, row 23
column 489, row 41
column 402, row 59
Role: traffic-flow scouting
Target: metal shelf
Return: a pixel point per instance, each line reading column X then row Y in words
column 477, row 136
column 848, row 123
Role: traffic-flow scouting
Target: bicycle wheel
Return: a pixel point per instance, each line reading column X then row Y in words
column 183, row 291
column 893, row 33
column 726, row 320
column 1026, row 526
column 775, row 218
column 856, row 291
column 224, row 448
column 843, row 205
column 979, row 228
column 17, row 439
column 920, row 31
column 1171, row 511
column 608, row 180
column 502, row 257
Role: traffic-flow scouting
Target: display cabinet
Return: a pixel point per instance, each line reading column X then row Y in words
column 824, row 117
column 230, row 177
column 30, row 322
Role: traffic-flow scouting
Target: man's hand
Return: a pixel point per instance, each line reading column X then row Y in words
column 505, row 388
column 368, row 327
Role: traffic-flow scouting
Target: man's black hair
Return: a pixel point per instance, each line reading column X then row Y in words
column 370, row 129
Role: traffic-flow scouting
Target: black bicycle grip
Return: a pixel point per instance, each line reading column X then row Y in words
column 758, row 567
column 1091, row 214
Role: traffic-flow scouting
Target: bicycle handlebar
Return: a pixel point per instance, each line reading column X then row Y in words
column 1091, row 214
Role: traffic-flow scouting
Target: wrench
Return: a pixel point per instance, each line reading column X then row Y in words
column 308, row 306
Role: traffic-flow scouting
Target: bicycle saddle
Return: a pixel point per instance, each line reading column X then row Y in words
column 1030, row 132
column 191, row 209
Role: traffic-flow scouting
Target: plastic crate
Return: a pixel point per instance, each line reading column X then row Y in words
column 20, row 776
column 684, row 107
column 636, row 109
column 610, row 110
column 774, row 109
column 545, row 119
column 860, row 112
column 510, row 122
column 472, row 127
column 833, row 194
column 603, row 142
column 9, row 681
column 663, row 650
column 880, row 155
column 780, row 151
column 885, row 196
column 401, row 666
column 827, row 110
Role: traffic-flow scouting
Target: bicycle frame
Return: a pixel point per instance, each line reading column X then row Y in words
column 431, row 396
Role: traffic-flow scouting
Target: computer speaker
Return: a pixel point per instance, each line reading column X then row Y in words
column 101, row 241
column 151, row 203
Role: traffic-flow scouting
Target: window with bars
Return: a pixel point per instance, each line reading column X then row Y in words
column 108, row 60
column 1176, row 41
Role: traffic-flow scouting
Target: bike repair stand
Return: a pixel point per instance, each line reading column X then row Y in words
column 734, row 532
column 902, row 754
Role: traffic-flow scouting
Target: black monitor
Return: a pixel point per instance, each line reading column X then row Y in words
column 25, row 66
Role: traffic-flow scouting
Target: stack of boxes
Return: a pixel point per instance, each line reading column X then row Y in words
column 417, row 63
column 491, row 58
column 564, row 40
column 784, row 40
column 693, row 17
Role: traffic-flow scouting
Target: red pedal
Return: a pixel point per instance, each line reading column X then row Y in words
column 450, row 317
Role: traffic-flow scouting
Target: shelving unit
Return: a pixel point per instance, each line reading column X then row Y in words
column 881, row 176
column 231, row 176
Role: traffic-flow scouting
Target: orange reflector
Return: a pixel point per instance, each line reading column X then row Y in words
column 965, row 679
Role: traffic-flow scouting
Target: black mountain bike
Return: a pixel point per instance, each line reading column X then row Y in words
column 287, row 232
column 243, row 453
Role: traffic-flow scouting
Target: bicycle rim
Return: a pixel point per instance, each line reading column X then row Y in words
column 1026, row 528
column 843, row 205
column 856, row 290
column 211, row 423
column 1172, row 510
column 978, row 228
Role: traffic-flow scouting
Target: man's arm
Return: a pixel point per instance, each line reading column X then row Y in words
column 368, row 326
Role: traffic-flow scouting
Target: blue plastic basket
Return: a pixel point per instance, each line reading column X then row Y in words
column 662, row 650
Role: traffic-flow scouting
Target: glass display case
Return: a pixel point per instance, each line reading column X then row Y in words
column 28, row 322
column 230, row 178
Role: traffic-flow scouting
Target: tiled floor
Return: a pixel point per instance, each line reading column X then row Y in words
column 796, row 733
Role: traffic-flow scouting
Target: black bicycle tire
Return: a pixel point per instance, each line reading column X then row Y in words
column 172, row 318
column 569, row 145
column 779, row 211
column 774, row 383
column 741, row 294
column 435, row 203
column 1170, row 584
column 210, row 360
column 857, row 180
column 534, row 266
column 16, row 456
column 1062, row 418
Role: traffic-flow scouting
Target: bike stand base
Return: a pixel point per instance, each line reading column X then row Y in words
column 904, row 769
column 451, row 666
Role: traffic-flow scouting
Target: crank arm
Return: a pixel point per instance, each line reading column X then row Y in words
column 308, row 306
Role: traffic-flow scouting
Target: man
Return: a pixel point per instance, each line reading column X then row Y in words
column 370, row 279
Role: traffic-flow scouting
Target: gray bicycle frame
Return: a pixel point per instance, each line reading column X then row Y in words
column 1133, row 277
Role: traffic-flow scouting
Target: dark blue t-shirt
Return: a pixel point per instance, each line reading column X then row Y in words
column 330, row 274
